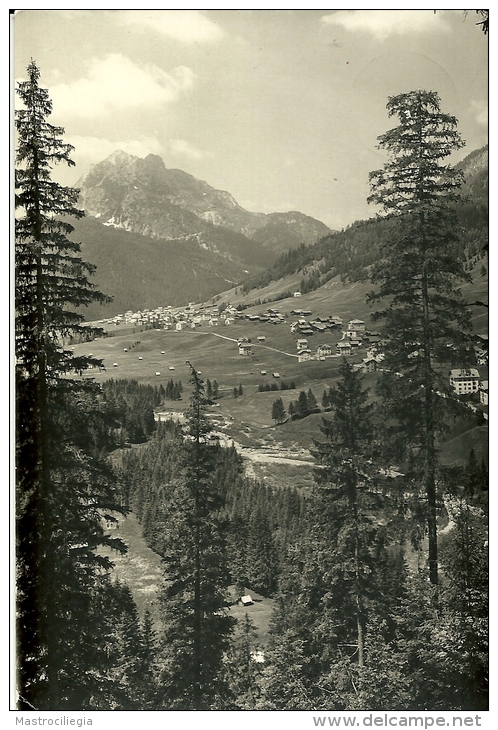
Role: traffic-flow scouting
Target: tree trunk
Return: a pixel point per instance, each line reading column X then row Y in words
column 429, row 427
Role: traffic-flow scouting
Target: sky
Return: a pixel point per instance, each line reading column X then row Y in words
column 282, row 108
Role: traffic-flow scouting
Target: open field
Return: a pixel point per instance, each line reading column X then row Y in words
column 247, row 419
column 213, row 351
column 140, row 568
column 259, row 613
column 275, row 455
column 217, row 358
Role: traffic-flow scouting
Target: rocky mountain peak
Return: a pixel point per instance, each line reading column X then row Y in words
column 118, row 157
column 142, row 195
column 154, row 162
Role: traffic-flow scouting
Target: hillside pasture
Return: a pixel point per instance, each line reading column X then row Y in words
column 347, row 300
column 214, row 352
column 140, row 568
column 333, row 298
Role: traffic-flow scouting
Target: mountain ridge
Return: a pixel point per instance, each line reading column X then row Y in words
column 142, row 195
column 141, row 269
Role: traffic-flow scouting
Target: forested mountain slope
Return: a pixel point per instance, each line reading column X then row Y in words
column 350, row 253
column 160, row 236
column 140, row 272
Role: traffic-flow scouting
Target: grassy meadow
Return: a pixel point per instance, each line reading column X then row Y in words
column 213, row 351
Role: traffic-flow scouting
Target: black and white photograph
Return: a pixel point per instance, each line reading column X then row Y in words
column 249, row 367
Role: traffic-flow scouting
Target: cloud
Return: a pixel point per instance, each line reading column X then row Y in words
column 114, row 83
column 384, row 23
column 480, row 109
column 187, row 26
column 182, row 148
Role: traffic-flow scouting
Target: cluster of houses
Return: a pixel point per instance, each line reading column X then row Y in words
column 273, row 316
column 170, row 318
column 463, row 381
column 191, row 316
column 352, row 338
column 303, row 326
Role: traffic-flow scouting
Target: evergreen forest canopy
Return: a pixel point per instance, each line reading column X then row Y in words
column 376, row 606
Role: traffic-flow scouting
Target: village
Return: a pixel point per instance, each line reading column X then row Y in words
column 350, row 340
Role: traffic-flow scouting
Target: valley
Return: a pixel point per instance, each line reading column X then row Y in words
column 274, row 453
column 251, row 444
column 245, row 340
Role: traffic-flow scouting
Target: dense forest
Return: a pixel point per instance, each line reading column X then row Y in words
column 357, row 624
column 379, row 580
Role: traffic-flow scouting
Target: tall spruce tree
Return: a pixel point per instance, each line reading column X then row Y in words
column 425, row 318
column 197, row 628
column 348, row 492
column 63, row 488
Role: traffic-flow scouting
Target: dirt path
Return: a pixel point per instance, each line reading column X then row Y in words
column 253, row 344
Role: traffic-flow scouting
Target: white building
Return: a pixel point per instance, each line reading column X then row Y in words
column 325, row 350
column 356, row 325
column 343, row 347
column 464, row 380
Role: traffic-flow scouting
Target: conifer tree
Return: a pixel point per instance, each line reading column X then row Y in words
column 278, row 411
column 425, row 319
column 243, row 670
column 311, row 400
column 302, row 404
column 197, row 628
column 465, row 615
column 347, row 492
column 261, row 552
column 63, row 489
column 325, row 400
